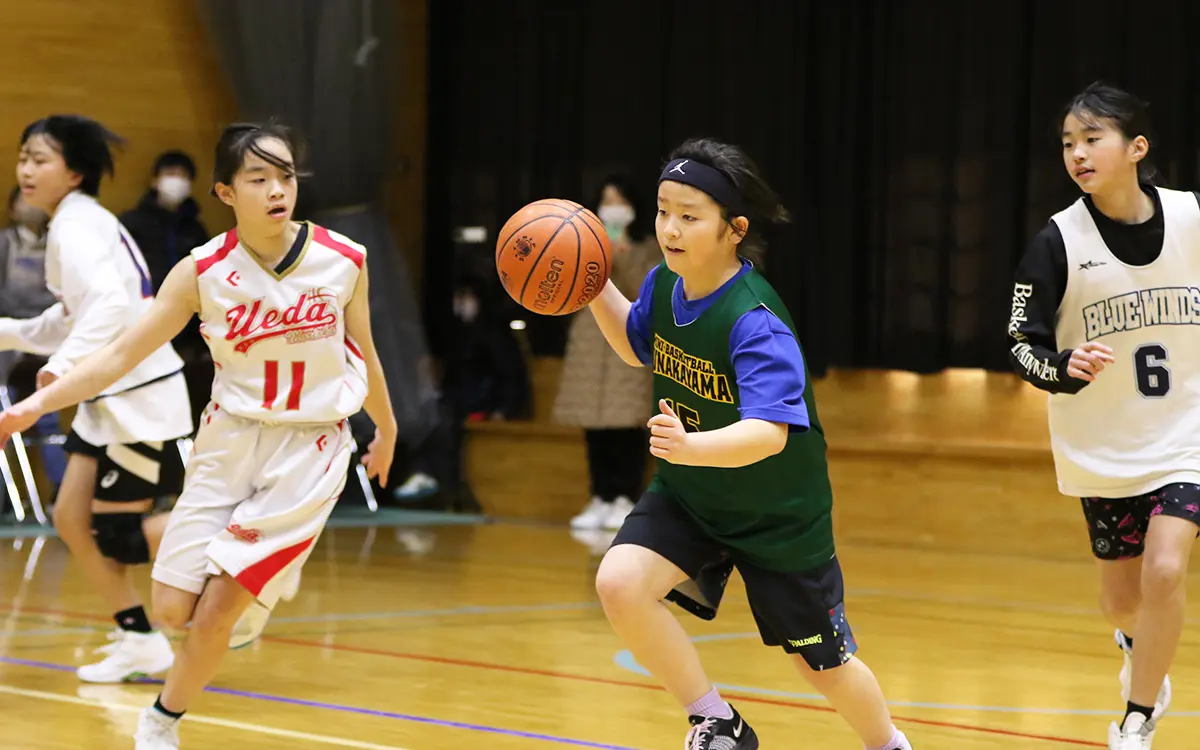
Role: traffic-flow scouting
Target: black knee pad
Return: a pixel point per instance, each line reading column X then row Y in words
column 120, row 537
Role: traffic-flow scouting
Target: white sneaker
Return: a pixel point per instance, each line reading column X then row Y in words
column 291, row 586
column 156, row 731
column 617, row 512
column 252, row 622
column 417, row 486
column 1161, row 702
column 249, row 626
column 593, row 516
column 1137, row 734
column 130, row 656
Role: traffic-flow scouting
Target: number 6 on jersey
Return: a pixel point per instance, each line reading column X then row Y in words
column 271, row 385
column 1150, row 369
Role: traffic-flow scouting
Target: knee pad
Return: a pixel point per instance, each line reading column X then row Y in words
column 120, row 537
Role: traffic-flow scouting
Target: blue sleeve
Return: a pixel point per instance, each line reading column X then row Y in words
column 638, row 326
column 769, row 369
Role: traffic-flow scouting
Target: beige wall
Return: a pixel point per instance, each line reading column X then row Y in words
column 146, row 70
column 142, row 67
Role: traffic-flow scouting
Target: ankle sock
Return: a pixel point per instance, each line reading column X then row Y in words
column 1133, row 708
column 133, row 620
column 711, row 704
column 897, row 742
column 158, row 706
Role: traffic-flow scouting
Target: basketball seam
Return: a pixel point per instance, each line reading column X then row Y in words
column 552, row 201
column 600, row 242
column 549, row 241
column 578, row 263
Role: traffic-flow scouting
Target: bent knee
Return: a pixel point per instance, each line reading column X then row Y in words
column 172, row 608
column 72, row 520
column 1120, row 605
column 631, row 576
column 1163, row 576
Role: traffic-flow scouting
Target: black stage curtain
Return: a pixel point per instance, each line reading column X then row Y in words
column 913, row 141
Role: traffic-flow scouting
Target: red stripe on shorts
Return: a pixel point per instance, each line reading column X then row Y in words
column 258, row 575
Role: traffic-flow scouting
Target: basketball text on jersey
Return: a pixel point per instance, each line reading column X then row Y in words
column 312, row 317
column 1038, row 368
column 697, row 375
column 1144, row 308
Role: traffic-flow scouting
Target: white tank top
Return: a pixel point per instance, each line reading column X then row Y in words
column 1137, row 426
column 279, row 341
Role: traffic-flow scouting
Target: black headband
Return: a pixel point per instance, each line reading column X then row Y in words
column 705, row 178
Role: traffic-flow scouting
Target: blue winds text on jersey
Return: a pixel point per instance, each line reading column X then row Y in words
column 1164, row 306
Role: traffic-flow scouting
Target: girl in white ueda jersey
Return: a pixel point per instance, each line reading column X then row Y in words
column 283, row 306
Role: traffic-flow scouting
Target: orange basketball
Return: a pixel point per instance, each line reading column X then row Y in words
column 553, row 257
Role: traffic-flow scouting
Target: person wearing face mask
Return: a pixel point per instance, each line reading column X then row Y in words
column 600, row 393
column 23, row 294
column 166, row 222
column 166, row 226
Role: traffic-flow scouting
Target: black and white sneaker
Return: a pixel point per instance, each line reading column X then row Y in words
column 708, row 733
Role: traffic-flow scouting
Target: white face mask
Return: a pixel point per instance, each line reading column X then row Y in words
column 616, row 219
column 174, row 189
column 466, row 307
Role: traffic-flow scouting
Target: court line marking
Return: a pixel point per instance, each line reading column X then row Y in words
column 45, row 631
column 210, row 720
column 311, row 704
column 467, row 610
column 608, row 681
column 625, row 660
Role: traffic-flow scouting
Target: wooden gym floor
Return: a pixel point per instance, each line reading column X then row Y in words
column 970, row 589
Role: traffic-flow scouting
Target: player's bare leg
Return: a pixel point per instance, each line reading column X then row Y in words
column 1169, row 542
column 73, row 521
column 632, row 582
column 131, row 654
column 1121, row 592
column 211, row 617
column 855, row 694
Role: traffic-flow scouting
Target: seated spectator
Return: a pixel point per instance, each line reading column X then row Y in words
column 483, row 377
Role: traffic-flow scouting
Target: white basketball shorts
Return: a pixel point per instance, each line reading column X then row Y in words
column 255, row 499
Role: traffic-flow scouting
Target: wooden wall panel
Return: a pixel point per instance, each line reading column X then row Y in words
column 404, row 196
column 142, row 67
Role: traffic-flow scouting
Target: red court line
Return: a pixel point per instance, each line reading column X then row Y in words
column 450, row 661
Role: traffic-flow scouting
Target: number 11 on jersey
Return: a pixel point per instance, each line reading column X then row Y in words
column 271, row 385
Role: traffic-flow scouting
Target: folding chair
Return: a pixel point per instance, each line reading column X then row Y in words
column 18, row 443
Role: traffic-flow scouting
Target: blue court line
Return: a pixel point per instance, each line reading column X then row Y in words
column 625, row 660
column 352, row 710
column 46, row 631
column 468, row 610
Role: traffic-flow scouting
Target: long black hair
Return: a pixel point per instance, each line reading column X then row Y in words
column 740, row 169
column 242, row 138
column 1127, row 113
column 83, row 143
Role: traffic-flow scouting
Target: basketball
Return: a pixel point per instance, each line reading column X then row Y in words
column 553, row 257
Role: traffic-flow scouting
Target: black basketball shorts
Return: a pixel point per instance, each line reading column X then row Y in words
column 801, row 612
column 134, row 471
column 1117, row 526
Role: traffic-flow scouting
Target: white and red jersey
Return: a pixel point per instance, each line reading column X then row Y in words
column 278, row 339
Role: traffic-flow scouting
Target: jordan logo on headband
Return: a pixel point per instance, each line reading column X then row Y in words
column 679, row 167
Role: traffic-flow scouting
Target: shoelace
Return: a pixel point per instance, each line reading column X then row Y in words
column 117, row 638
column 699, row 733
column 160, row 728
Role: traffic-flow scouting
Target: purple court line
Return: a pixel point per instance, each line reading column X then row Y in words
column 350, row 709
